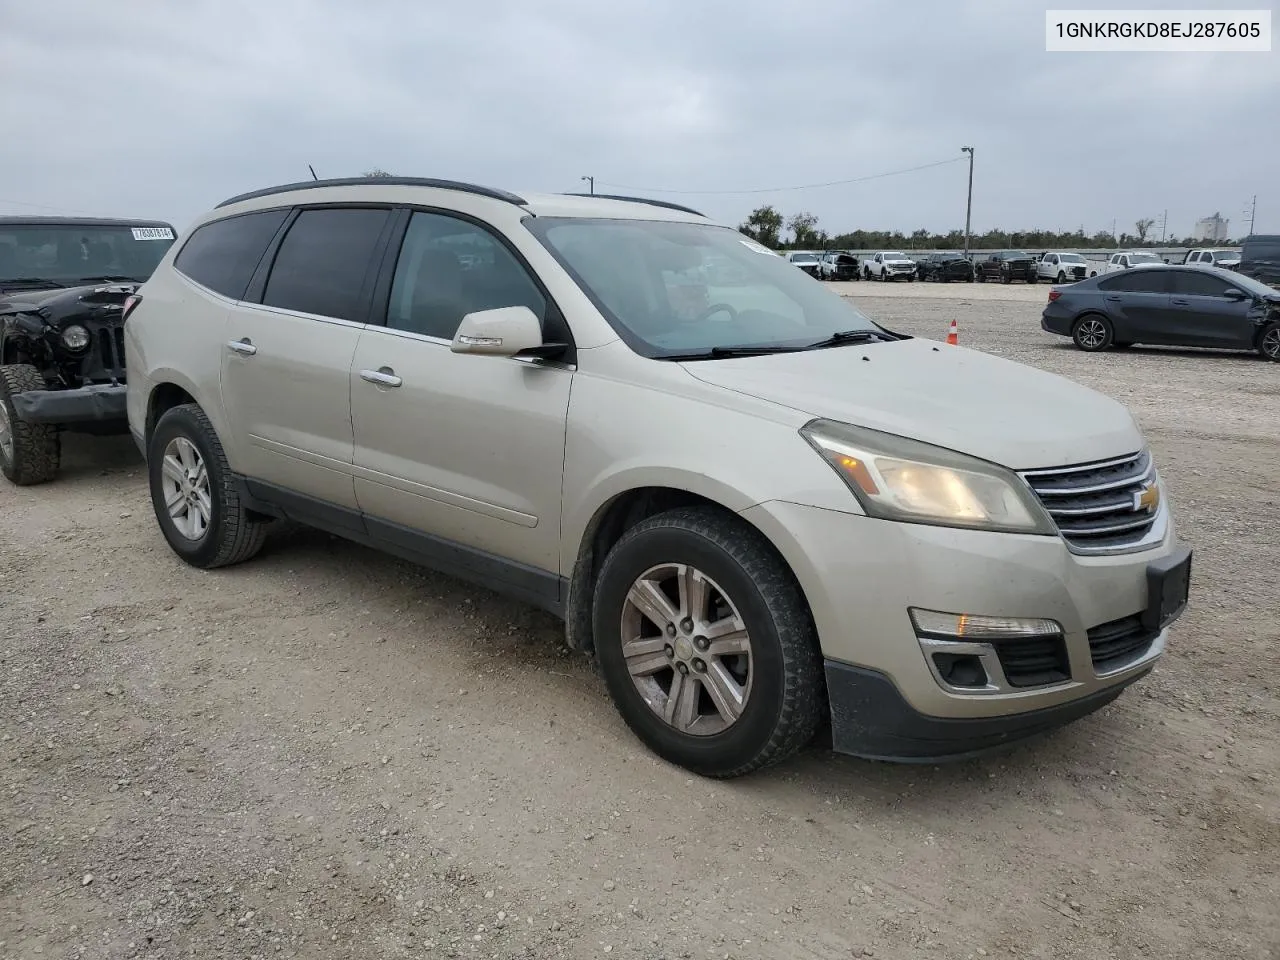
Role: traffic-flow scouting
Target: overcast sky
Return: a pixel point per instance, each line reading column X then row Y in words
column 163, row 108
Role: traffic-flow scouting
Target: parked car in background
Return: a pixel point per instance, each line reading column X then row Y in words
column 838, row 265
column 889, row 265
column 1227, row 259
column 1129, row 258
column 1260, row 259
column 1062, row 267
column 945, row 266
column 1007, row 266
column 64, row 283
column 906, row 551
column 807, row 262
column 1185, row 306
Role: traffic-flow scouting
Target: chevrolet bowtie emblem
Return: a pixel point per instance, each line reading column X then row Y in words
column 1148, row 498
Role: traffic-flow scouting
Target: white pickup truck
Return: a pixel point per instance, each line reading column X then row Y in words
column 888, row 265
column 1064, row 267
column 1227, row 259
column 1127, row 259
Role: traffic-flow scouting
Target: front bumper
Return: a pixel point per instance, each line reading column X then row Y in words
column 861, row 575
column 96, row 403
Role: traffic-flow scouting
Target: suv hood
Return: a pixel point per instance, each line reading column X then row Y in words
column 972, row 402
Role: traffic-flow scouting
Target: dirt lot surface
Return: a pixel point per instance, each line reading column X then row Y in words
column 328, row 753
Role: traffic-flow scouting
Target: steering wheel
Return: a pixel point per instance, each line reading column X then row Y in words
column 714, row 309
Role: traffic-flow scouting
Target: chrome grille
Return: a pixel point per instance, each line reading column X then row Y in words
column 1097, row 505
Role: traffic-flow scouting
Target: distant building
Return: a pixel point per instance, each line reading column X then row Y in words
column 1212, row 229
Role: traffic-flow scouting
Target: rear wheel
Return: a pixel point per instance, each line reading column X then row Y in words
column 1269, row 343
column 1092, row 333
column 29, row 452
column 194, row 494
column 706, row 643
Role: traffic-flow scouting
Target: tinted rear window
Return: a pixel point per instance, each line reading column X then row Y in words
column 223, row 255
column 323, row 261
column 1137, row 281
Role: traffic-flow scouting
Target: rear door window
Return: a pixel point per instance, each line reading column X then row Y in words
column 222, row 255
column 1190, row 283
column 325, row 263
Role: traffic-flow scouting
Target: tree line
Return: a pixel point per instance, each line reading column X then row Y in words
column 766, row 225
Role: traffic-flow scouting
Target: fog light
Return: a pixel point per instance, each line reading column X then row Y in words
column 75, row 337
column 965, row 626
column 960, row 669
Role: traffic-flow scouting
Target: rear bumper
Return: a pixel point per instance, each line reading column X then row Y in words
column 871, row 719
column 1055, row 323
column 97, row 403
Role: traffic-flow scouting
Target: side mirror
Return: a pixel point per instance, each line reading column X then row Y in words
column 1234, row 293
column 503, row 332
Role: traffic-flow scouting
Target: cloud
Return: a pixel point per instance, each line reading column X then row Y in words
column 153, row 108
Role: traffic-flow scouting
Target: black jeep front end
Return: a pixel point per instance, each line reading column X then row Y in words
column 62, row 368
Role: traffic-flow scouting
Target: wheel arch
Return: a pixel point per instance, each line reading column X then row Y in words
column 619, row 512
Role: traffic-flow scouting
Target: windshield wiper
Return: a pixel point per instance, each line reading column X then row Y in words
column 108, row 278
column 842, row 337
column 745, row 350
column 33, row 281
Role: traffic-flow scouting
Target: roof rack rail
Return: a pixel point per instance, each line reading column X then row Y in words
column 653, row 203
column 490, row 192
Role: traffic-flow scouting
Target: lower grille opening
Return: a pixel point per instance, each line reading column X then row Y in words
column 1117, row 643
column 1035, row 662
column 961, row 669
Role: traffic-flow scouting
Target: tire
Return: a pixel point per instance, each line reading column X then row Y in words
column 866, row 274
column 981, row 277
column 1033, row 279
column 1005, row 278
column 1062, row 277
column 1269, row 342
column 1093, row 333
column 781, row 675
column 30, row 453
column 230, row 534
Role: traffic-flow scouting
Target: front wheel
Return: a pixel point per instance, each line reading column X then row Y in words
column 29, row 452
column 194, row 494
column 1033, row 279
column 1093, row 333
column 706, row 643
column 1269, row 343
column 982, row 277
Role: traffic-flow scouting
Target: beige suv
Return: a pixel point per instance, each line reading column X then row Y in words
column 757, row 508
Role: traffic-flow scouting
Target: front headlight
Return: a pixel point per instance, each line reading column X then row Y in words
column 895, row 478
column 75, row 337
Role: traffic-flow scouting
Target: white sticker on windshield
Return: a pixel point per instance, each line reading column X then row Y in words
column 757, row 247
column 152, row 233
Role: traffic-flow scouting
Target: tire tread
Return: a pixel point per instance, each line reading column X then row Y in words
column 37, row 447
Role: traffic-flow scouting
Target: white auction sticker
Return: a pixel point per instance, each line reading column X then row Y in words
column 1157, row 31
column 152, row 233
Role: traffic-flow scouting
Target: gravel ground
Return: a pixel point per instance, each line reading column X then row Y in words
column 328, row 753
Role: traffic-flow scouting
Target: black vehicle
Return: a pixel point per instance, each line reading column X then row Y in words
column 1260, row 259
column 945, row 267
column 838, row 265
column 1191, row 306
column 1007, row 266
column 64, row 284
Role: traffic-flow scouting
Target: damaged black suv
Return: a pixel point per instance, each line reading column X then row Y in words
column 64, row 287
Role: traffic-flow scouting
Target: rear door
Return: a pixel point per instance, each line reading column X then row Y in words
column 1203, row 317
column 456, row 456
column 1137, row 301
column 287, row 357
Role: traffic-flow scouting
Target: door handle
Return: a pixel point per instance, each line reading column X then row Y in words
column 244, row 346
column 1113, row 297
column 383, row 377
column 1178, row 302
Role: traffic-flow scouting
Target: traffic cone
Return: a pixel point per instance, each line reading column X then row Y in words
column 953, row 335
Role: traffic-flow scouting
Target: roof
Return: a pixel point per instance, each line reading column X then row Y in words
column 402, row 189
column 80, row 222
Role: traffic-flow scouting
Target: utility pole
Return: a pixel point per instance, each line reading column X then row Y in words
column 968, row 206
column 1164, row 227
column 591, row 182
column 1253, row 212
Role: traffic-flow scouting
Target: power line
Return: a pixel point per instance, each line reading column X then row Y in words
column 804, row 186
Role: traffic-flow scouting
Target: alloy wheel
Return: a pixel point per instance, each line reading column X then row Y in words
column 1091, row 334
column 687, row 649
column 1271, row 343
column 185, row 482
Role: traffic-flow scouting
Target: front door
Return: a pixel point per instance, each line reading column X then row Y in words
column 287, row 361
column 1202, row 316
column 456, row 451
column 1138, row 303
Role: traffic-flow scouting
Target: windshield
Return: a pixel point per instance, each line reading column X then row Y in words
column 67, row 253
column 803, row 258
column 1255, row 288
column 1015, row 255
column 681, row 288
column 1225, row 255
column 1144, row 258
column 1071, row 258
